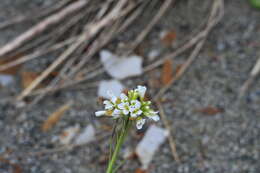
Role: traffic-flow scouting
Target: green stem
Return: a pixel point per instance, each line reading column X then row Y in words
column 119, row 143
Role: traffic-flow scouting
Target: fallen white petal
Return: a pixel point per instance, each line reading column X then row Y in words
column 154, row 137
column 100, row 113
column 121, row 67
column 110, row 85
column 87, row 136
column 6, row 80
column 68, row 134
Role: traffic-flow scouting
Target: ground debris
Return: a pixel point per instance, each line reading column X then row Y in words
column 167, row 72
column 6, row 80
column 68, row 135
column 168, row 37
column 109, row 85
column 55, row 117
column 87, row 135
column 140, row 170
column 145, row 150
column 121, row 67
column 209, row 110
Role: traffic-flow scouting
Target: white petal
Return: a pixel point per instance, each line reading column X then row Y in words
column 100, row 113
column 109, row 107
column 126, row 111
column 139, row 112
column 116, row 112
column 123, row 97
column 131, row 108
column 121, row 106
column 136, row 114
column 141, row 90
column 133, row 115
column 108, row 104
column 112, row 97
column 140, row 123
column 136, row 104
column 155, row 117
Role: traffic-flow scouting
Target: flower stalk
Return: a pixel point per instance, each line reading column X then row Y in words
column 123, row 132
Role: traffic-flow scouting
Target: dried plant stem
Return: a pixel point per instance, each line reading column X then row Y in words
column 37, row 54
column 166, row 5
column 40, row 27
column 169, row 128
column 54, row 65
column 43, row 12
column 254, row 72
column 90, row 31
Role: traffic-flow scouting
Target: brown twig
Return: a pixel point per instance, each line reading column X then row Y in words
column 40, row 27
column 170, row 136
column 39, row 13
column 254, row 72
column 37, row 54
column 90, row 31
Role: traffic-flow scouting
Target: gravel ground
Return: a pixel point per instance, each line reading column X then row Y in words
column 226, row 142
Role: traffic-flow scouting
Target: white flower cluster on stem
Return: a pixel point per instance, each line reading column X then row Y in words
column 132, row 105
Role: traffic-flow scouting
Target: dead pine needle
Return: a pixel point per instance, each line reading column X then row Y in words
column 169, row 128
column 254, row 72
column 55, row 117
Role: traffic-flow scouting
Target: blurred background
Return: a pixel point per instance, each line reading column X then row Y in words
column 198, row 59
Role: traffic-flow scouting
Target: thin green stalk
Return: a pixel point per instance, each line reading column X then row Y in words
column 119, row 143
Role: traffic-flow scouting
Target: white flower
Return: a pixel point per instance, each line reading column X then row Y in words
column 116, row 113
column 124, row 107
column 134, row 108
column 108, row 105
column 131, row 106
column 135, row 104
column 136, row 113
column 113, row 98
column 141, row 90
column 139, row 123
column 123, row 97
column 100, row 113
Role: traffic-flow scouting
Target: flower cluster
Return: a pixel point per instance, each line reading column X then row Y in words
column 132, row 105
